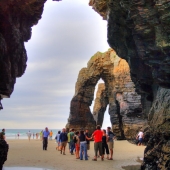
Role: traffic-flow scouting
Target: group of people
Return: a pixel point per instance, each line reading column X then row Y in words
column 79, row 142
column 37, row 135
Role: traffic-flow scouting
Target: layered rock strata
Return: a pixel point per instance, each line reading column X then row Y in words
column 139, row 31
column 125, row 107
column 16, row 20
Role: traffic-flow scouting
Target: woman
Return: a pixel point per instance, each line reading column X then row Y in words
column 77, row 144
column 57, row 140
column 104, row 144
column 83, row 145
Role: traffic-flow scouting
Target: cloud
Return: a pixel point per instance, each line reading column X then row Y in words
column 66, row 37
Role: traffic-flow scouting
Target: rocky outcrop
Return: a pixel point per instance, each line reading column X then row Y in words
column 16, row 20
column 3, row 152
column 125, row 106
column 139, row 31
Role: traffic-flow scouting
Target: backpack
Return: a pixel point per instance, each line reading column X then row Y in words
column 75, row 139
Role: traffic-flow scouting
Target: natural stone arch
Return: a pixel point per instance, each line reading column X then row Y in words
column 115, row 73
column 98, row 67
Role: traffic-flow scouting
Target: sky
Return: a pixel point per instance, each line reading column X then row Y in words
column 62, row 43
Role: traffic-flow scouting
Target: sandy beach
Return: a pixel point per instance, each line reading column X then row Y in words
column 23, row 153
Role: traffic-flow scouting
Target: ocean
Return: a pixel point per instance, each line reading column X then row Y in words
column 13, row 133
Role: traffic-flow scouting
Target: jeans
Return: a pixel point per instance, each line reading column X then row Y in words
column 72, row 144
column 83, row 150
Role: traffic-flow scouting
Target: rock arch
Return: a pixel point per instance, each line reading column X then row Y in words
column 125, row 106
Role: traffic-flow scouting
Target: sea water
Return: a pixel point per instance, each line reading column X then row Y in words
column 13, row 133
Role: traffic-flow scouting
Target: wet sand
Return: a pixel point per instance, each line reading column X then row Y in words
column 23, row 153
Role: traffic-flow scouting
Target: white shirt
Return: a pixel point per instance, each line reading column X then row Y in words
column 140, row 134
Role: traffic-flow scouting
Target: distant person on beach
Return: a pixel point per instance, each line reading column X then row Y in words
column 18, row 135
column 63, row 139
column 97, row 136
column 140, row 137
column 29, row 135
column 57, row 140
column 51, row 135
column 41, row 133
column 36, row 136
column 83, row 146
column 46, row 133
column 104, row 144
column 111, row 137
column 3, row 133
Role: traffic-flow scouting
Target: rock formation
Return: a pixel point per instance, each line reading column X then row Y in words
column 125, row 106
column 3, row 151
column 16, row 20
column 139, row 31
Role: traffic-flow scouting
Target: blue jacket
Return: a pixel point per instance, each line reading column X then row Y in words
column 63, row 137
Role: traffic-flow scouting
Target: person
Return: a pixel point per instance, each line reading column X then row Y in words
column 29, row 135
column 97, row 135
column 51, row 135
column 57, row 140
column 139, row 137
column 63, row 139
column 3, row 149
column 111, row 137
column 3, row 133
column 18, row 135
column 36, row 136
column 83, row 146
column 45, row 138
column 87, row 139
column 68, row 136
column 41, row 133
column 77, row 144
column 72, row 144
column 104, row 144
column 33, row 135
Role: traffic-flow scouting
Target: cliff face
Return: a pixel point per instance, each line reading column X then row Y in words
column 125, row 106
column 139, row 31
column 16, row 19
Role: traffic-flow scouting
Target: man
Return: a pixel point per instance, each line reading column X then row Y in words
column 72, row 144
column 97, row 135
column 29, row 135
column 68, row 136
column 3, row 133
column 45, row 138
column 63, row 139
column 87, row 139
column 51, row 135
column 139, row 137
column 111, row 137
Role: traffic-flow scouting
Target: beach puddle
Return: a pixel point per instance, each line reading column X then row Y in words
column 23, row 168
column 132, row 167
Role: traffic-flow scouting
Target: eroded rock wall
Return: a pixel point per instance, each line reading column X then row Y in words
column 125, row 106
column 139, row 31
column 16, row 20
